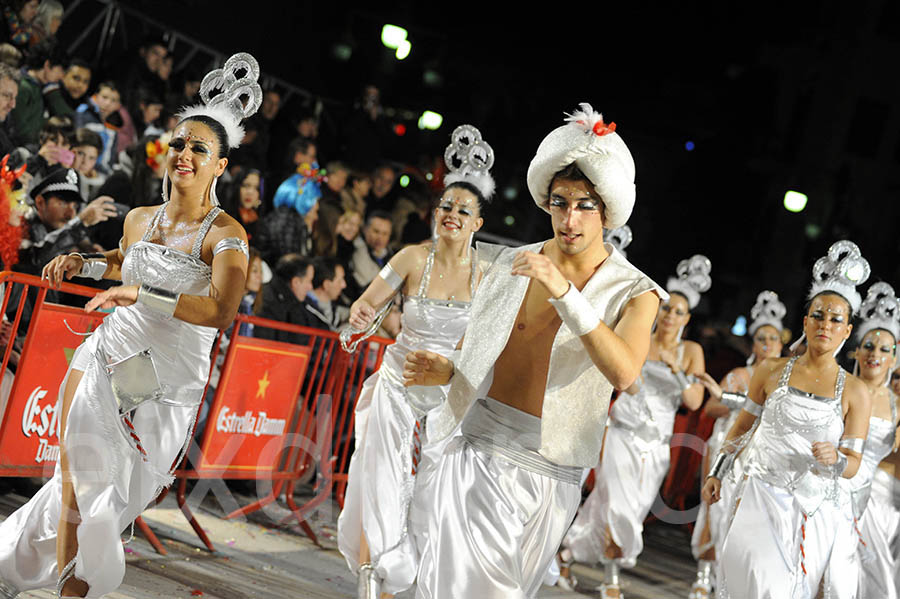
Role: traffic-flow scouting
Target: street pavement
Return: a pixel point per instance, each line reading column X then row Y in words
column 256, row 558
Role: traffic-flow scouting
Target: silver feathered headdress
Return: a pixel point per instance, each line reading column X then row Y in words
column 228, row 106
column 692, row 279
column 768, row 310
column 880, row 310
column 840, row 271
column 469, row 159
column 620, row 238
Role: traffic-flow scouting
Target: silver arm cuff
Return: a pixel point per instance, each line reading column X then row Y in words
column 158, row 300
column 231, row 243
column 93, row 266
column 752, row 407
column 854, row 444
column 576, row 311
column 732, row 400
column 841, row 464
column 454, row 359
column 721, row 465
column 685, row 380
column 391, row 277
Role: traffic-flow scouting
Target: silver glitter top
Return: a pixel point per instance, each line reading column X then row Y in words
column 781, row 449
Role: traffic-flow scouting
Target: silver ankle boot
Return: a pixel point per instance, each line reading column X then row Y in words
column 702, row 587
column 368, row 582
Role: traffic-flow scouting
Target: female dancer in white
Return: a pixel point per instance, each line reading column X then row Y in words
column 725, row 403
column 811, row 433
column 438, row 281
column 635, row 457
column 862, row 563
column 183, row 266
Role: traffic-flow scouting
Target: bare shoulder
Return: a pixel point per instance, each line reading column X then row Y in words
column 223, row 227
column 692, row 348
column 740, row 373
column 410, row 259
column 856, row 391
column 137, row 221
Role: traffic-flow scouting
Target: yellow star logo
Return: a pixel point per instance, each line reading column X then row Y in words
column 262, row 385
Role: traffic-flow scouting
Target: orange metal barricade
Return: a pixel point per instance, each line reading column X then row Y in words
column 295, row 418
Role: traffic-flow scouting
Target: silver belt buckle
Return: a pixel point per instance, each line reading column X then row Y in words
column 133, row 379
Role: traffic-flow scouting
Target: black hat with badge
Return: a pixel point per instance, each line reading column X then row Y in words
column 61, row 183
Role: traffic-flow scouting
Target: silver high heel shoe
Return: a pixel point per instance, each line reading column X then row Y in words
column 368, row 582
column 67, row 573
column 610, row 581
column 702, row 587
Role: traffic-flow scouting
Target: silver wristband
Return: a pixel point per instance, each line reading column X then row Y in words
column 576, row 311
column 721, row 465
column 93, row 266
column 158, row 300
column 732, row 400
column 854, row 444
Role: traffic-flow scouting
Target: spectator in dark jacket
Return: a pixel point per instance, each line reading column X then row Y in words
column 44, row 65
column 283, row 299
column 58, row 226
column 288, row 228
column 65, row 97
column 321, row 302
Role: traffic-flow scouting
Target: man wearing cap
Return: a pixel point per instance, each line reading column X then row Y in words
column 554, row 328
column 56, row 225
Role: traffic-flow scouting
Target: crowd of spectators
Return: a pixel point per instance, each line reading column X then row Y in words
column 93, row 138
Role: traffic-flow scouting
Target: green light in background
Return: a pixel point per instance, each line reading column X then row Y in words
column 392, row 36
column 404, row 180
column 794, row 201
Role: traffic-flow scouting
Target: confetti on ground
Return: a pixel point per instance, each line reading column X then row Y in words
column 196, row 593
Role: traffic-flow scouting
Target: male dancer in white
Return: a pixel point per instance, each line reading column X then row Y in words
column 554, row 327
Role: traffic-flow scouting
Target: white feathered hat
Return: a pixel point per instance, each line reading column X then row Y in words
column 768, row 310
column 600, row 154
column 840, row 271
column 692, row 279
column 880, row 310
column 228, row 107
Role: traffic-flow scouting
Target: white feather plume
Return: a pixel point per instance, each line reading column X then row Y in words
column 222, row 115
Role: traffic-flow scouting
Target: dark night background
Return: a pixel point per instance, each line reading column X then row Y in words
column 775, row 96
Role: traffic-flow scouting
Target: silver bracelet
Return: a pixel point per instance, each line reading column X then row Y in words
column 93, row 266
column 576, row 311
column 755, row 409
column 854, row 444
column 841, row 465
column 684, row 380
column 158, row 300
column 732, row 400
column 391, row 277
column 721, row 465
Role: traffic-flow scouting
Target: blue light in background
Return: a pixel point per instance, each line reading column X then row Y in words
column 740, row 326
column 689, row 146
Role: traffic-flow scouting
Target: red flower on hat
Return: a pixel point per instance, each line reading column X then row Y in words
column 601, row 129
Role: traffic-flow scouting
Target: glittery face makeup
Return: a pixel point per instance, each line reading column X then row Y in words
column 828, row 321
column 766, row 343
column 876, row 353
column 576, row 215
column 674, row 313
column 193, row 155
column 457, row 213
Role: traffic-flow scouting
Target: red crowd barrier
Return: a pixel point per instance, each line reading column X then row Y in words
column 279, row 412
